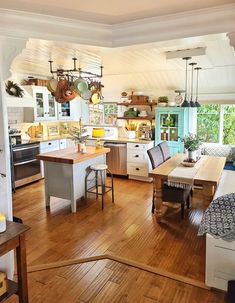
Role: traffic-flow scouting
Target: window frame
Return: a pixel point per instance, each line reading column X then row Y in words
column 221, row 124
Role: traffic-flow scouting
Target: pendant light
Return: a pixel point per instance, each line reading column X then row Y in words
column 191, row 103
column 197, row 104
column 186, row 103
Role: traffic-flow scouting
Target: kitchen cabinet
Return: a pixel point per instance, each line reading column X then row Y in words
column 53, row 145
column 138, row 164
column 45, row 106
column 173, row 123
column 47, row 109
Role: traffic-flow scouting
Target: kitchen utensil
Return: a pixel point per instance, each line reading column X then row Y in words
column 86, row 95
column 64, row 92
column 96, row 98
column 52, row 85
column 80, row 85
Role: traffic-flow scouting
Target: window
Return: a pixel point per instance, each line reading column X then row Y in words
column 105, row 113
column 229, row 124
column 208, row 122
column 216, row 123
column 110, row 113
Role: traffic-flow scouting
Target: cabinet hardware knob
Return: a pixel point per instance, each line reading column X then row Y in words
column 137, row 168
column 137, row 146
column 3, row 175
column 49, row 143
column 137, row 156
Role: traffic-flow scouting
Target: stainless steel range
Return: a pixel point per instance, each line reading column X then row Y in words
column 25, row 167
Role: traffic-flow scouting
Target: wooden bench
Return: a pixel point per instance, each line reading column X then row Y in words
column 220, row 254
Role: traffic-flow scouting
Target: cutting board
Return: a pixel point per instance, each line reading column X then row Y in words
column 35, row 131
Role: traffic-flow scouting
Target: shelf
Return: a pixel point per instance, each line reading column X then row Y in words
column 136, row 118
column 12, row 289
column 136, row 104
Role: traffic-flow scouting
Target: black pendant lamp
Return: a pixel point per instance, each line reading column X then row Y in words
column 191, row 103
column 186, row 103
column 197, row 104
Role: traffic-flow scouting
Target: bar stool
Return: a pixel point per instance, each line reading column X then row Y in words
column 99, row 169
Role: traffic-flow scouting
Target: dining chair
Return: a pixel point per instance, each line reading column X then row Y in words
column 165, row 150
column 170, row 193
column 156, row 159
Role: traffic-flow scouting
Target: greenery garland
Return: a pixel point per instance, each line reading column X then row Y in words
column 13, row 89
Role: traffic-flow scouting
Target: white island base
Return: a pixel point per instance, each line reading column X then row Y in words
column 67, row 180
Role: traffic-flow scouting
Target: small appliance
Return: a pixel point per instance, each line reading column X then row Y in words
column 145, row 131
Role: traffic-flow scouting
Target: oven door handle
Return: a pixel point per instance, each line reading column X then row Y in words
column 25, row 162
column 25, row 148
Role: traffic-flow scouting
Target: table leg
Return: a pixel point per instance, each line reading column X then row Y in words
column 22, row 270
column 208, row 192
column 160, row 208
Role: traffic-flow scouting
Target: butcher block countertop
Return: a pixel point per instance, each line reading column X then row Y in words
column 71, row 155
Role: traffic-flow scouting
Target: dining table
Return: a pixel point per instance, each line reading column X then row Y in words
column 206, row 179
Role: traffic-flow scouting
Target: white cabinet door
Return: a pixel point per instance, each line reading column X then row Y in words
column 45, row 108
column 63, row 143
column 70, row 143
column 52, row 112
column 70, row 110
column 46, row 147
column 64, row 111
column 138, row 164
column 41, row 104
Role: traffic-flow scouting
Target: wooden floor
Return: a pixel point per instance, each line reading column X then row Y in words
column 111, row 282
column 126, row 228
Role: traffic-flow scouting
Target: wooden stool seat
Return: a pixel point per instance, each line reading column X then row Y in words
column 99, row 167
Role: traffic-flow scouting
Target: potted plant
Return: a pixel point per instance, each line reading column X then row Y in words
column 78, row 134
column 162, row 101
column 192, row 143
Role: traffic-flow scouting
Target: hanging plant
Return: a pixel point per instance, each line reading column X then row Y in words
column 13, row 89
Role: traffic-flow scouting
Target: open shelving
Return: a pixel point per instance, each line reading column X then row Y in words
column 136, row 118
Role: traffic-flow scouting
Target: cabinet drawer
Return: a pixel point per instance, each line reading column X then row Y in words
column 137, row 146
column 137, row 169
column 136, row 156
column 49, row 145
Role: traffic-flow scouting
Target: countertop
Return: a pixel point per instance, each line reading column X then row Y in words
column 107, row 139
column 71, row 155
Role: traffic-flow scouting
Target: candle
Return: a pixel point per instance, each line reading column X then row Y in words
column 2, row 223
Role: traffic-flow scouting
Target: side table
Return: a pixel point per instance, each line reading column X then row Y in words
column 14, row 238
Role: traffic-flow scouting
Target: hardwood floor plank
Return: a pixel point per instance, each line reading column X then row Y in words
column 126, row 229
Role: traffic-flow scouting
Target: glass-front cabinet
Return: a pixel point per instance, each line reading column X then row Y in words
column 46, row 106
column 172, row 124
column 47, row 109
column 64, row 110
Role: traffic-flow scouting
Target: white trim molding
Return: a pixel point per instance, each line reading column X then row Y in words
column 169, row 27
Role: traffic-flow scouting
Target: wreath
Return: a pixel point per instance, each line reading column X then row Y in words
column 13, row 89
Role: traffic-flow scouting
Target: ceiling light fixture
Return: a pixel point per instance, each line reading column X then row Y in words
column 197, row 104
column 191, row 103
column 186, row 103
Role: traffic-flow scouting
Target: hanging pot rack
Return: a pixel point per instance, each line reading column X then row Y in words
column 68, row 73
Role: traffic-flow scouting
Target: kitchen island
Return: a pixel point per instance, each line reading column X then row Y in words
column 65, row 171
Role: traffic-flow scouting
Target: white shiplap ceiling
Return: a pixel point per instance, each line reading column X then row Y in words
column 138, row 68
column 109, row 11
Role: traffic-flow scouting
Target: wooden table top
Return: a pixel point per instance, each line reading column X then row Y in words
column 209, row 172
column 13, row 230
column 71, row 155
